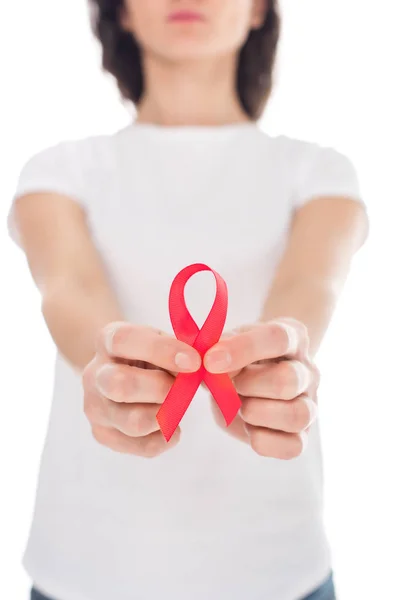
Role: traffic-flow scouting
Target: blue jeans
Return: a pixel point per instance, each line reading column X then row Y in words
column 325, row 592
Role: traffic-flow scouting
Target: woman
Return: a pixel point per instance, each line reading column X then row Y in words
column 106, row 223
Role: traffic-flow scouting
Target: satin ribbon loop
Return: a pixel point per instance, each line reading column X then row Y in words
column 186, row 330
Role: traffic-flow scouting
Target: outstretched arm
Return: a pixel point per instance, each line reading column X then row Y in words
column 325, row 235
column 77, row 300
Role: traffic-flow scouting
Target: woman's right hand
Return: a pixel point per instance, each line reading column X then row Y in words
column 127, row 381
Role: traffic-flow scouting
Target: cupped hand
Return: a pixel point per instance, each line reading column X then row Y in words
column 277, row 382
column 127, row 381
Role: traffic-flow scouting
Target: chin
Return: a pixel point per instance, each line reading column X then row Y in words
column 185, row 45
column 189, row 52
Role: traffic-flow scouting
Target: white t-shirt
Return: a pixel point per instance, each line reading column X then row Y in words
column 210, row 519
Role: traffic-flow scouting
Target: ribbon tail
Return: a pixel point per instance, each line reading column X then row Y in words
column 177, row 402
column 225, row 394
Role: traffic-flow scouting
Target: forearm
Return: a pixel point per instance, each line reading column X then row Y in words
column 311, row 303
column 326, row 233
column 75, row 315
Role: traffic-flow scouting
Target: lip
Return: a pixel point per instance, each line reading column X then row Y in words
column 185, row 16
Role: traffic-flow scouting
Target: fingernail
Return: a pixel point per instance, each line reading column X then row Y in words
column 304, row 439
column 246, row 428
column 217, row 361
column 303, row 376
column 109, row 336
column 187, row 362
column 313, row 408
column 291, row 335
column 102, row 377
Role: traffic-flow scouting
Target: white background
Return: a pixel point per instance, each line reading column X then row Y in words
column 336, row 85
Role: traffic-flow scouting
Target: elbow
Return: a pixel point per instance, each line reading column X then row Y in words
column 57, row 296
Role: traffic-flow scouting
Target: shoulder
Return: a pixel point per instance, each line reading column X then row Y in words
column 303, row 153
column 81, row 152
column 314, row 169
column 77, row 167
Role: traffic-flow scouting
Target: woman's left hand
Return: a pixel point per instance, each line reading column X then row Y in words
column 277, row 382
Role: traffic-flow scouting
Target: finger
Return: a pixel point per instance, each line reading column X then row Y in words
column 137, row 342
column 301, row 348
column 293, row 416
column 284, row 380
column 315, row 379
column 230, row 333
column 123, row 383
column 148, row 447
column 134, row 420
column 236, row 427
column 264, row 341
column 277, row 444
column 93, row 405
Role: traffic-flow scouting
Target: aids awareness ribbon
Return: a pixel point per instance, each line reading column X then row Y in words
column 186, row 384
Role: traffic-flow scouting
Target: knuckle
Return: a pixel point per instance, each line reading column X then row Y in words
column 316, row 375
column 90, row 409
column 116, row 382
column 84, row 377
column 87, row 375
column 303, row 330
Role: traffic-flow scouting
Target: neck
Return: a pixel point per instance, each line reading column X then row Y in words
column 190, row 93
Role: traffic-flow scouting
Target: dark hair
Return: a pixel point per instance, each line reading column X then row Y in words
column 121, row 55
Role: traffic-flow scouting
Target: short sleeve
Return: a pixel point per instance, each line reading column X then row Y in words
column 54, row 169
column 324, row 171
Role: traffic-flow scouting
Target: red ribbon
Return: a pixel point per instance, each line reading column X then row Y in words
column 186, row 384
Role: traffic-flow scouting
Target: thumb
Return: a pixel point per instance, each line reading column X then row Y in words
column 226, row 335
